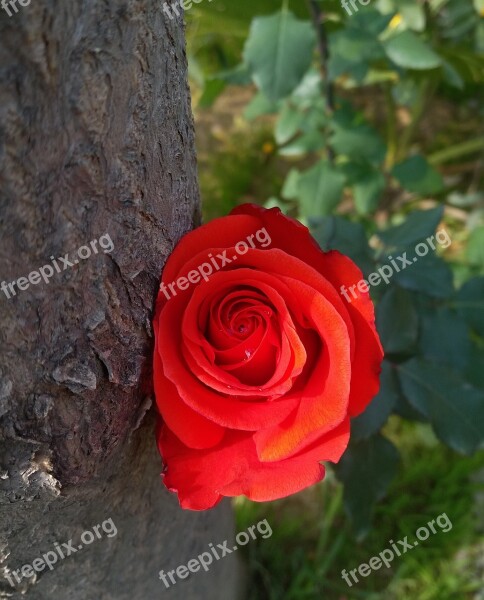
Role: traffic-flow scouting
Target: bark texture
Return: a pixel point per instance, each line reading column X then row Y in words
column 96, row 138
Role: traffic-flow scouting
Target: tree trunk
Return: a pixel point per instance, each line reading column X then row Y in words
column 96, row 145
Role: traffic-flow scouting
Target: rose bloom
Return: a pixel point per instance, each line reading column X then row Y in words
column 258, row 366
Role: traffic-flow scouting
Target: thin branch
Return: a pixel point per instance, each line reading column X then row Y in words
column 317, row 16
column 323, row 45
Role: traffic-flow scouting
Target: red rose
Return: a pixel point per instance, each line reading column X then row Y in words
column 260, row 363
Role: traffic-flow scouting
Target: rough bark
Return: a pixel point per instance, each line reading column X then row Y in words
column 96, row 137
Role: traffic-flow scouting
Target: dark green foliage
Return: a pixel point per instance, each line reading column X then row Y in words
column 364, row 182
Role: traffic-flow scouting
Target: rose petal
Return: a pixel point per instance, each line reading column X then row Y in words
column 192, row 428
column 201, row 478
column 291, row 359
column 295, row 239
column 225, row 409
column 323, row 402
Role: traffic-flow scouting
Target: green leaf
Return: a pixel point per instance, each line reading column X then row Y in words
column 457, row 20
column 367, row 191
column 416, row 175
column 307, row 142
column 359, row 142
column 413, row 14
column 475, row 247
column 405, row 91
column 380, row 408
column 366, row 470
column 345, row 115
column 479, row 33
column 370, row 20
column 419, row 225
column 405, row 410
column 408, row 51
column 445, row 339
column 212, row 90
column 354, row 47
column 475, row 372
column 308, row 92
column 320, row 189
column 279, row 52
column 338, row 66
column 452, row 75
column 455, row 409
column 308, row 123
column 337, row 233
column 289, row 123
column 238, row 75
column 258, row 106
column 470, row 304
column 367, row 184
column 429, row 274
column 468, row 65
column 397, row 321
column 290, row 187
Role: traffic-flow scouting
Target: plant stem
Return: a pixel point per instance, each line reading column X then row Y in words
column 391, row 128
column 426, row 90
column 323, row 45
column 456, row 151
column 317, row 16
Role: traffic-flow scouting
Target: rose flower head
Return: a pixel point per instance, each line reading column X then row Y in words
column 260, row 361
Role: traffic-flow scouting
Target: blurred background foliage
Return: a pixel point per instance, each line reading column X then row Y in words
column 367, row 124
